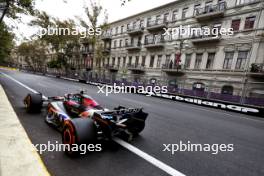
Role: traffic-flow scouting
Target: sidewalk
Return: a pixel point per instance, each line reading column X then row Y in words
column 17, row 154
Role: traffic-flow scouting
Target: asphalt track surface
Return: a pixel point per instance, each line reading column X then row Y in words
column 168, row 123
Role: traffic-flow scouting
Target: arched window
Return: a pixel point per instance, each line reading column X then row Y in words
column 227, row 90
column 199, row 86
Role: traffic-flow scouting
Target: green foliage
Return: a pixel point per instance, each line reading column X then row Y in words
column 16, row 7
column 58, row 42
column 54, row 64
column 34, row 52
column 6, row 39
column 93, row 13
column 59, row 63
column 61, row 41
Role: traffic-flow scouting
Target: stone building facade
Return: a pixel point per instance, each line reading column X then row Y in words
column 137, row 50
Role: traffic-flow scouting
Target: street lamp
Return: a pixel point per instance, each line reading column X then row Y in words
column 3, row 8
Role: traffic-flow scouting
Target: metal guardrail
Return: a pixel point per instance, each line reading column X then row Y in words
column 181, row 87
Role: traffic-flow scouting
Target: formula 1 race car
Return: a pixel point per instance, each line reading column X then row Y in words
column 81, row 120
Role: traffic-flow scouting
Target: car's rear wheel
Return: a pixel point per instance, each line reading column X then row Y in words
column 77, row 132
column 137, row 128
column 136, row 123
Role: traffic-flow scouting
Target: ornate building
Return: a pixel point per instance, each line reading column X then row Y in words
column 137, row 50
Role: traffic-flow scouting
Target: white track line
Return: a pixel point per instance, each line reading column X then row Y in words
column 140, row 153
column 149, row 158
column 23, row 85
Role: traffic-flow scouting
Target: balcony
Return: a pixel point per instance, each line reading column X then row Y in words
column 133, row 46
column 173, row 69
column 86, row 51
column 106, row 37
column 154, row 43
column 156, row 25
column 135, row 30
column 210, row 12
column 106, row 51
column 136, row 67
column 198, row 39
column 89, row 68
column 257, row 70
column 112, row 68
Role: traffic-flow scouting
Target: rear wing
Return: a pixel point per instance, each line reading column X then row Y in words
column 122, row 111
column 135, row 113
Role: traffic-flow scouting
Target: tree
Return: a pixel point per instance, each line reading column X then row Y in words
column 34, row 53
column 15, row 7
column 6, row 39
column 63, row 42
column 93, row 14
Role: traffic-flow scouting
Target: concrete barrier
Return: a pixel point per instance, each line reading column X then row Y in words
column 18, row 157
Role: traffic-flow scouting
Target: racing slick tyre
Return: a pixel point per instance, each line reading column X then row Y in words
column 33, row 103
column 77, row 132
column 137, row 128
column 136, row 124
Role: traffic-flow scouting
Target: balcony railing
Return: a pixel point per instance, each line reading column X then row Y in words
column 210, row 12
column 257, row 68
column 136, row 67
column 157, row 24
column 154, row 42
column 106, row 50
column 172, row 68
column 183, row 68
column 112, row 67
column 205, row 38
column 135, row 30
column 89, row 68
column 106, row 36
column 133, row 46
column 86, row 51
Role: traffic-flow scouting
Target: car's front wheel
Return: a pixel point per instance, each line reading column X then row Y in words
column 33, row 102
